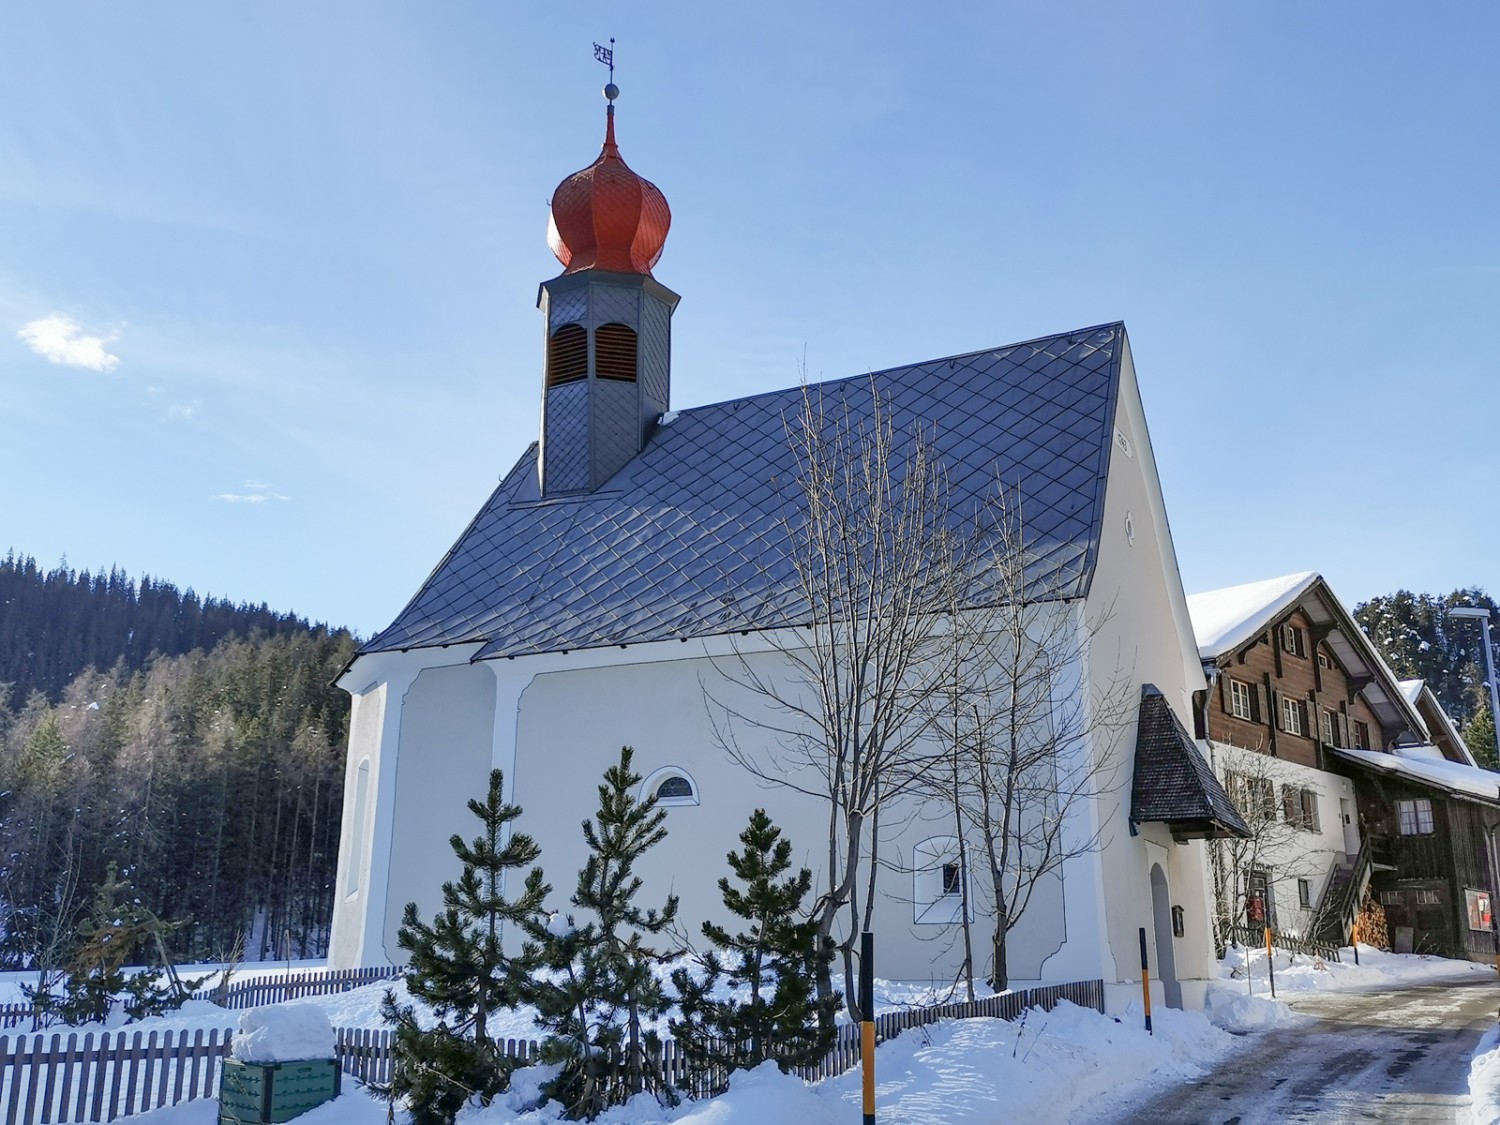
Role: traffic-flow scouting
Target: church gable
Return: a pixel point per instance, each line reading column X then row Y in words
column 688, row 539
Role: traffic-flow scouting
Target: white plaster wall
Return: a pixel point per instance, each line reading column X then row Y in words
column 572, row 723
column 1294, row 853
column 447, row 724
column 346, row 941
column 1146, row 637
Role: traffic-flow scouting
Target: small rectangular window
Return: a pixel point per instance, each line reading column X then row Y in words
column 1293, row 640
column 1240, row 699
column 1426, row 896
column 1310, row 819
column 950, row 878
column 1414, row 817
column 1329, row 727
column 1361, row 735
column 1291, row 715
column 1392, row 898
column 1304, row 893
column 1323, row 660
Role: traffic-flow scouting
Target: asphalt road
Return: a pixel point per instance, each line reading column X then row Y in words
column 1366, row 1057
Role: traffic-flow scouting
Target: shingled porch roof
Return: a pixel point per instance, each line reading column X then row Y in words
column 1173, row 783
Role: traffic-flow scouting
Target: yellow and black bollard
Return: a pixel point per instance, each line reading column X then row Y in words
column 1146, row 982
column 1270, row 963
column 867, row 1021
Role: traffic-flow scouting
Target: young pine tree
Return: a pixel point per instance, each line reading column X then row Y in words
column 459, row 967
column 777, row 960
column 602, row 991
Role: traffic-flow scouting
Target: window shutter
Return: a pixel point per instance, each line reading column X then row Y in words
column 1258, row 698
column 1343, row 728
column 1290, row 807
column 1310, row 810
column 1279, row 714
column 1226, row 694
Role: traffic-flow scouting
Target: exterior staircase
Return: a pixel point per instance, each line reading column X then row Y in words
column 1341, row 898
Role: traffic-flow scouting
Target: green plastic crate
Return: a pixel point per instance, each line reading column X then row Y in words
column 270, row 1093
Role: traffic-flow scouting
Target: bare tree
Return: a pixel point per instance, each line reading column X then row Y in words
column 1032, row 734
column 1265, row 791
column 872, row 548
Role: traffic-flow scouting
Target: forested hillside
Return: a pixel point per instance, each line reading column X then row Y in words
column 211, row 777
column 1420, row 640
column 56, row 623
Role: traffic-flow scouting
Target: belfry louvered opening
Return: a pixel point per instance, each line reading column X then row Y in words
column 615, row 352
column 567, row 355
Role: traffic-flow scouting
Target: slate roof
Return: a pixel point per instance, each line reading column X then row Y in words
column 689, row 539
column 1173, row 782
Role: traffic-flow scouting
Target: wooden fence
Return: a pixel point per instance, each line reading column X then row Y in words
column 1254, row 937
column 53, row 1078
column 292, row 986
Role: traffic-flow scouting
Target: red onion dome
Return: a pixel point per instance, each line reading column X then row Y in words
column 608, row 218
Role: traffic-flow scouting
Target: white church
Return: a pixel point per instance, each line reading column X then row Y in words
column 638, row 544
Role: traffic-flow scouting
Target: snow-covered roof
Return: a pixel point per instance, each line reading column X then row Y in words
column 1437, row 772
column 1431, row 710
column 1412, row 689
column 1225, row 619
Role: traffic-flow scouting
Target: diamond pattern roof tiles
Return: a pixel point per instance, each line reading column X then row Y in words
column 688, row 539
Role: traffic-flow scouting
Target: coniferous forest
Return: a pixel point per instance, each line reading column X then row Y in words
column 195, row 746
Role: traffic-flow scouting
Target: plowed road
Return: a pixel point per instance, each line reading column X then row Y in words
column 1366, row 1057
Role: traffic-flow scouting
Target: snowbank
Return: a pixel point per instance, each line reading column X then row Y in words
column 1484, row 1080
column 283, row 1033
column 1239, row 1013
column 1376, row 970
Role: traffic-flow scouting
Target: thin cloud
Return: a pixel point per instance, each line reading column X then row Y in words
column 182, row 411
column 60, row 339
column 256, row 492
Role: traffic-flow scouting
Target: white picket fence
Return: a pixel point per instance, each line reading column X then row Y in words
column 53, row 1078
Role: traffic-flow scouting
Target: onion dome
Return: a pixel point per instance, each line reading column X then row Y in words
column 606, row 217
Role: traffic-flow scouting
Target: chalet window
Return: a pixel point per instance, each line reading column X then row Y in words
column 1304, row 893
column 1291, row 715
column 1323, row 661
column 1426, row 896
column 1392, row 898
column 1414, row 817
column 1241, row 700
column 1335, row 728
column 1361, row 735
column 1299, row 807
column 1294, row 640
column 567, row 355
column 1255, row 797
column 615, row 352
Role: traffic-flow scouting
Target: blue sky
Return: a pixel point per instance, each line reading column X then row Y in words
column 267, row 295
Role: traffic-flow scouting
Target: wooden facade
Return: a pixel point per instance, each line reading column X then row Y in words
column 1288, row 693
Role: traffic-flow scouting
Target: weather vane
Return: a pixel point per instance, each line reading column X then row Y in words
column 606, row 55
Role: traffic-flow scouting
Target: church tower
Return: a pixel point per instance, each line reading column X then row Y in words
column 608, row 322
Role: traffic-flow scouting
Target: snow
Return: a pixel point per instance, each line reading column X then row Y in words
column 1468, row 781
column 1412, row 689
column 1240, row 1013
column 284, row 1033
column 1376, row 970
column 1224, row 619
column 1484, row 1080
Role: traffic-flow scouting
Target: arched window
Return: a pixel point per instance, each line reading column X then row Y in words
column 615, row 352
column 567, row 355
column 670, row 786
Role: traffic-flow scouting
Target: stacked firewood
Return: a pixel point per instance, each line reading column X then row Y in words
column 1372, row 929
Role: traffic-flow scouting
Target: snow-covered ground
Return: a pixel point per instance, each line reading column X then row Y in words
column 1376, row 970
column 1484, row 1080
column 1047, row 1068
column 1052, row 1066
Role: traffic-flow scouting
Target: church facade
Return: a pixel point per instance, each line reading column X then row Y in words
column 636, row 556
